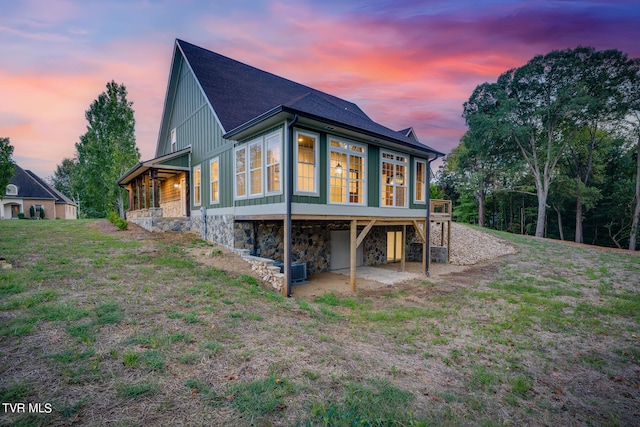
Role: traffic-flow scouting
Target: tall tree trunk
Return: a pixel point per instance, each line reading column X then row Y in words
column 542, row 209
column 557, row 209
column 482, row 207
column 636, row 213
column 579, row 237
column 120, row 204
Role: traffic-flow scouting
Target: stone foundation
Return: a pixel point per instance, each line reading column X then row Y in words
column 268, row 272
column 310, row 243
column 172, row 208
column 219, row 228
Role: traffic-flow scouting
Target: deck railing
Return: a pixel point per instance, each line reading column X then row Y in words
column 440, row 210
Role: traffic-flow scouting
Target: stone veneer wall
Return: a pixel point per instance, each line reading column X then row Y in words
column 375, row 245
column 171, row 209
column 310, row 243
column 219, row 228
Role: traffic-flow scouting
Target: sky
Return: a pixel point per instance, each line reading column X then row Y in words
column 405, row 62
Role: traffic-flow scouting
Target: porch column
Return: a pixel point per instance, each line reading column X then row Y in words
column 187, row 192
column 156, row 188
column 147, row 192
column 404, row 247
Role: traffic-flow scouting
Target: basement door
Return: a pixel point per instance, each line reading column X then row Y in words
column 394, row 246
column 340, row 250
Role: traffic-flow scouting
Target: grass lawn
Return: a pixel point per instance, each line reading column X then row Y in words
column 124, row 328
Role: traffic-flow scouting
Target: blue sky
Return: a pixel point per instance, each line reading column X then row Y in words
column 405, row 63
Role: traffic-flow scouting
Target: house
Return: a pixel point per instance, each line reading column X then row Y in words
column 254, row 161
column 27, row 190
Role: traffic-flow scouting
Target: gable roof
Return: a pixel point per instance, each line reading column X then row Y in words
column 60, row 198
column 242, row 95
column 31, row 186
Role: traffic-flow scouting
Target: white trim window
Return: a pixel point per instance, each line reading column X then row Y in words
column 174, row 141
column 240, row 183
column 255, row 168
column 273, row 160
column 393, row 173
column 215, row 180
column 258, row 167
column 347, row 172
column 197, row 185
column 12, row 190
column 306, row 153
column 420, row 187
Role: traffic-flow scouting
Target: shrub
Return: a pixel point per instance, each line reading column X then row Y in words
column 115, row 219
column 42, row 212
column 21, row 215
column 32, row 211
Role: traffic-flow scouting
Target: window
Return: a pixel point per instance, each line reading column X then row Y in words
column 215, row 180
column 174, row 141
column 12, row 190
column 394, row 179
column 272, row 148
column 196, row 185
column 346, row 172
column 255, row 168
column 421, row 181
column 307, row 155
column 257, row 163
column 241, row 172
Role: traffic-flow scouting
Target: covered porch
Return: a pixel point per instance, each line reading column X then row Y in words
column 158, row 188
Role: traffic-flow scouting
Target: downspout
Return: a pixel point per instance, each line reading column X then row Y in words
column 427, row 226
column 289, row 190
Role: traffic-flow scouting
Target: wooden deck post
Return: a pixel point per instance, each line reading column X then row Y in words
column 287, row 257
column 353, row 245
column 404, row 247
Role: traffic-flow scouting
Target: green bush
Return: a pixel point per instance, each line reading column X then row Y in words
column 21, row 215
column 115, row 219
column 32, row 211
column 42, row 212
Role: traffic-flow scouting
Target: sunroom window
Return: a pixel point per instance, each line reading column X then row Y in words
column 197, row 185
column 307, row 155
column 215, row 180
column 273, row 163
column 346, row 172
column 421, row 181
column 394, row 179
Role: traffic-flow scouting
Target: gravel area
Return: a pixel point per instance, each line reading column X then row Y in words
column 470, row 246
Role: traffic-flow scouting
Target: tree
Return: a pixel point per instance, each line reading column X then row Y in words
column 106, row 151
column 538, row 109
column 62, row 177
column 7, row 166
column 635, row 122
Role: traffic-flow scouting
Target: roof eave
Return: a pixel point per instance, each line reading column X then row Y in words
column 283, row 109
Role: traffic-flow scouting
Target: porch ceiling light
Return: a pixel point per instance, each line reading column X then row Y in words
column 176, row 185
column 338, row 169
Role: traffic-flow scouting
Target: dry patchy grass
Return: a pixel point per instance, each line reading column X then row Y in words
column 132, row 328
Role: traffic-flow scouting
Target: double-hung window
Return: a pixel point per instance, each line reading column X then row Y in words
column 307, row 157
column 197, row 185
column 421, row 181
column 240, row 183
column 346, row 172
column 215, row 180
column 272, row 148
column 257, row 167
column 394, row 179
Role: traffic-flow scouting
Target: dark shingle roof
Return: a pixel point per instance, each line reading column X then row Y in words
column 60, row 198
column 240, row 93
column 28, row 187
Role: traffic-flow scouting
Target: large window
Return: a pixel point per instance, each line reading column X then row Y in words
column 256, row 163
column 197, row 185
column 421, row 181
column 272, row 144
column 215, row 180
column 307, row 157
column 346, row 172
column 255, row 168
column 394, row 179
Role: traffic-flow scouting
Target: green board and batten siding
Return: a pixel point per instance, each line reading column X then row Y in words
column 196, row 126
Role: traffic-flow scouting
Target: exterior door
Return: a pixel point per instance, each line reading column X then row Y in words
column 340, row 251
column 394, row 246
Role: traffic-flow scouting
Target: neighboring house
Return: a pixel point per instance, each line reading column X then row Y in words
column 26, row 189
column 254, row 161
